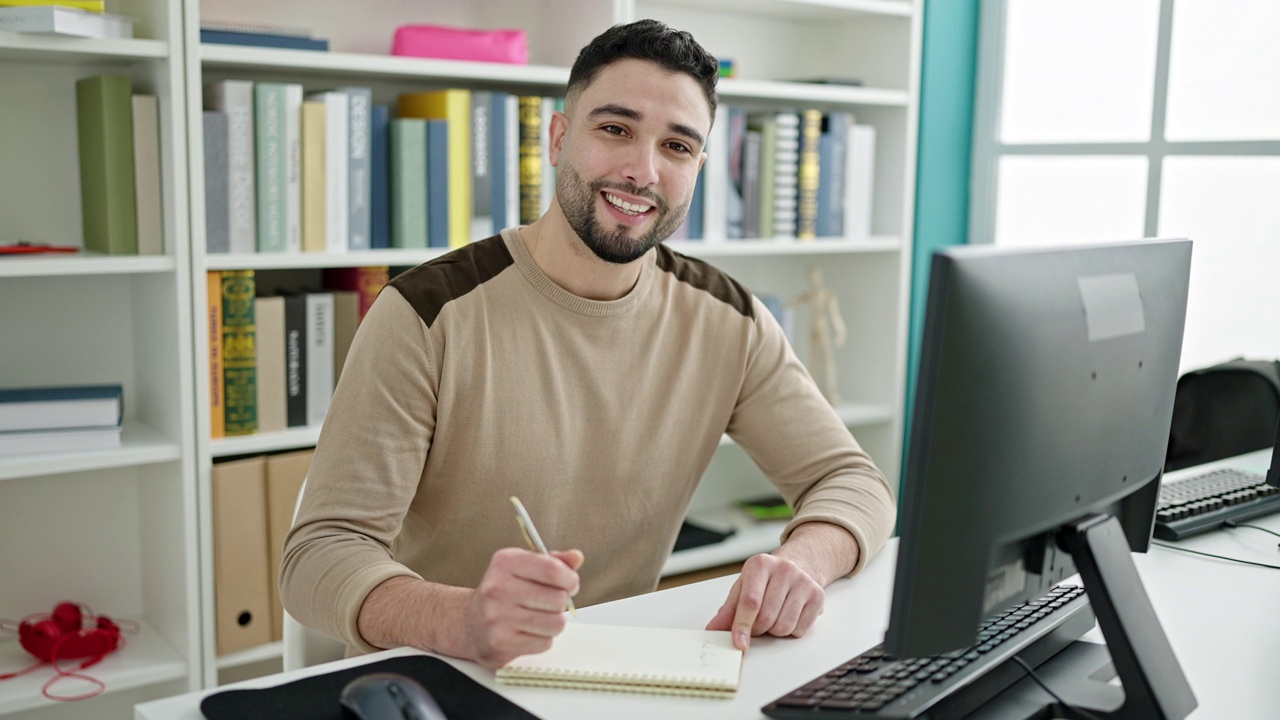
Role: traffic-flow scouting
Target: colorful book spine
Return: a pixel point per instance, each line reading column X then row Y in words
column 337, row 170
column 235, row 98
column 786, row 174
column 408, row 187
column 146, row 174
column 268, row 320
column 287, row 42
column 104, row 119
column 735, row 188
column 314, row 183
column 832, row 167
column 213, row 317
column 217, row 188
column 807, row 175
column 359, row 167
column 272, row 165
column 498, row 159
column 239, row 356
column 98, row 6
column 440, row 186
column 367, row 281
column 454, row 107
column 295, row 348
column 379, row 177
column 319, row 309
column 482, row 169
column 530, row 158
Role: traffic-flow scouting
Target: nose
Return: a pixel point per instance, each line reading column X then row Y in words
column 640, row 167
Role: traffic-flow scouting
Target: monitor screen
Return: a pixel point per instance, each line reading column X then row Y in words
column 1044, row 395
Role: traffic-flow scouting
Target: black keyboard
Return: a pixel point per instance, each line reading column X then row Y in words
column 952, row 685
column 1204, row 502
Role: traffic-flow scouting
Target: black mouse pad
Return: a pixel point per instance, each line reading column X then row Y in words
column 316, row 697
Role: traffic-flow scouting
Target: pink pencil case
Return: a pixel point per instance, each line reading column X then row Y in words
column 447, row 43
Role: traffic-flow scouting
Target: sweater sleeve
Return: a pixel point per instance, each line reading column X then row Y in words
column 364, row 474
column 796, row 438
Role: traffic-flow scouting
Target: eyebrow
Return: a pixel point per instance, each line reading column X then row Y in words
column 615, row 109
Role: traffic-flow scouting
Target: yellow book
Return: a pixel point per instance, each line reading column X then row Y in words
column 314, row 207
column 217, row 428
column 659, row 661
column 98, row 6
column 454, row 107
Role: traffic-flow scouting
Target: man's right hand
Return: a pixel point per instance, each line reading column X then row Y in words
column 519, row 605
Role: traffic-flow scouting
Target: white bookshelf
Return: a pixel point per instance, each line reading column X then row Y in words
column 115, row 529
column 774, row 42
column 139, row 321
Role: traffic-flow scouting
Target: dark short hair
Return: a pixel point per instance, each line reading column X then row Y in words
column 673, row 50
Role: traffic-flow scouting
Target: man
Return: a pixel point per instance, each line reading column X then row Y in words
column 580, row 365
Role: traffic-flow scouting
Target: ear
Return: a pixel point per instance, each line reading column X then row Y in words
column 559, row 128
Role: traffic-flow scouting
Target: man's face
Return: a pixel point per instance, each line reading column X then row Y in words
column 627, row 153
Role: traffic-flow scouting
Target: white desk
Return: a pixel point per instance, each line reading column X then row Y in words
column 1221, row 618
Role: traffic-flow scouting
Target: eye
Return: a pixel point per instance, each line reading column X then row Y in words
column 614, row 129
column 680, row 147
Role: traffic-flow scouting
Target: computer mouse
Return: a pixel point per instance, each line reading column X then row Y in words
column 389, row 696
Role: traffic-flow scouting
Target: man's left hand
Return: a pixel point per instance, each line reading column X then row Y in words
column 773, row 595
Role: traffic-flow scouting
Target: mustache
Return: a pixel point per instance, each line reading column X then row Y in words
column 601, row 185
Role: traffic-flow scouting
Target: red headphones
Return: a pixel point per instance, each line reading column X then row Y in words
column 67, row 633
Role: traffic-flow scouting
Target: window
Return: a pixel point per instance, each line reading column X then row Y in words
column 1098, row 120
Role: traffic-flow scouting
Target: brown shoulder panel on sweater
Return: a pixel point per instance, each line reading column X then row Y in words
column 706, row 278
column 432, row 285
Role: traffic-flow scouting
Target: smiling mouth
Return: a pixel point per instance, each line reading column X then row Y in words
column 625, row 207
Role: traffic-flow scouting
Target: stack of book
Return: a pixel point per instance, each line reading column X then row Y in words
column 60, row 419
column 81, row 18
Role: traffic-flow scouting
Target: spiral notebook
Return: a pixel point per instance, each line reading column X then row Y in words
column 661, row 661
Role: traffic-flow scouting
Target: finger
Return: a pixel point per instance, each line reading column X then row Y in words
column 750, row 598
column 809, row 614
column 776, row 594
column 788, row 616
column 723, row 619
column 537, row 568
column 572, row 558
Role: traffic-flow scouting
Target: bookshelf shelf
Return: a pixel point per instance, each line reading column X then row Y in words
column 145, row 659
column 270, row 651
column 371, row 67
column 62, row 265
column 61, row 48
column 778, row 92
column 288, row 261
column 140, row 444
column 807, row 9
column 291, row 439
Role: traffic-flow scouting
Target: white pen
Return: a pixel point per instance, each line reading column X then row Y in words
column 531, row 536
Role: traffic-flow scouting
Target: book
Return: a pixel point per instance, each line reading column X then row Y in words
column 38, row 442
column 735, row 187
column 104, row 121
column 295, row 348
column 217, row 187
column 213, row 320
column 379, row 176
column 504, row 149
column 481, row 164
column 235, row 98
column 97, row 6
column 239, row 358
column 663, row 661
column 319, row 314
column 51, row 408
column 367, row 282
column 715, row 173
column 255, row 39
column 440, row 186
column 408, row 186
column 277, row 138
column 346, row 318
column 314, row 203
column 832, row 166
column 530, row 174
column 454, row 107
column 268, row 320
column 146, row 174
column 860, row 181
column 359, row 182
column 60, row 20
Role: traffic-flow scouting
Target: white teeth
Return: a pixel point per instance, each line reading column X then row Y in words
column 626, row 206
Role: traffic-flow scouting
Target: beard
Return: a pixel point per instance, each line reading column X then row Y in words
column 577, row 200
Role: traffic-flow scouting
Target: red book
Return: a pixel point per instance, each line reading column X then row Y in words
column 366, row 281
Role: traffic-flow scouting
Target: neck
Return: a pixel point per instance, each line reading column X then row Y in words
column 560, row 253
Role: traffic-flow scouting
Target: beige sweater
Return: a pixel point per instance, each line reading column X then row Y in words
column 474, row 377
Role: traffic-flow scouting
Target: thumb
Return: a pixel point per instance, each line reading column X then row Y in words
column 572, row 558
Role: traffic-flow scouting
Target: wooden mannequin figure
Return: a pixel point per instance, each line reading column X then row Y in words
column 826, row 333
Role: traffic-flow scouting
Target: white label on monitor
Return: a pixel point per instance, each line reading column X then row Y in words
column 1004, row 582
column 1112, row 306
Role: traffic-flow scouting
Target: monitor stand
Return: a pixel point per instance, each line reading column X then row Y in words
column 1152, row 684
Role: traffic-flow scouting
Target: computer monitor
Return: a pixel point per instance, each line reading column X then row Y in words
column 1044, row 400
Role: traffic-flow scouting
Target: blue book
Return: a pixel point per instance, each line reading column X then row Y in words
column 498, row 160
column 694, row 220
column 65, row 407
column 288, row 42
column 833, row 148
column 380, row 171
column 438, row 183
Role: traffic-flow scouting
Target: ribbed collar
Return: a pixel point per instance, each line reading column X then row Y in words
column 567, row 300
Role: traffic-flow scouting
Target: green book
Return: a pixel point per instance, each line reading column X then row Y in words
column 104, row 119
column 239, row 352
column 272, row 164
column 408, row 183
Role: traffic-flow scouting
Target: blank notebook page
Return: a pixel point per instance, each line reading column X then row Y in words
column 633, row 659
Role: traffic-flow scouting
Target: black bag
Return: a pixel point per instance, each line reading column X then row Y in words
column 1222, row 411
